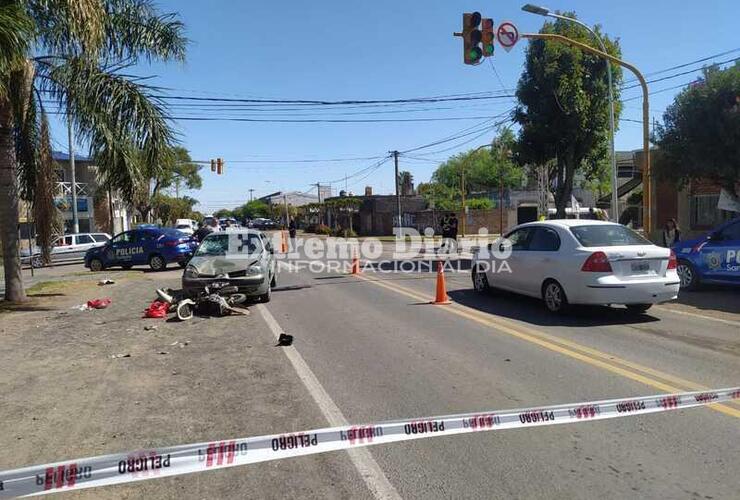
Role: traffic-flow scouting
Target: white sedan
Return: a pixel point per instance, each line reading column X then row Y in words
column 578, row 262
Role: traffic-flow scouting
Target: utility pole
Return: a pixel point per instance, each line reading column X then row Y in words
column 287, row 214
column 251, row 191
column 318, row 196
column 398, row 192
column 75, row 218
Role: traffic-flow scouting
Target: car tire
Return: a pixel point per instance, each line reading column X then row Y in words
column 273, row 281
column 127, row 266
column 157, row 263
column 638, row 308
column 554, row 297
column 480, row 281
column 183, row 264
column 37, row 262
column 687, row 274
column 96, row 265
column 265, row 297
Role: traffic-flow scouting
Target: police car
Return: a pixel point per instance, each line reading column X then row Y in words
column 713, row 258
column 156, row 247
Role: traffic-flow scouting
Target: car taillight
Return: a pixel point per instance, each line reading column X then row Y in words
column 672, row 262
column 597, row 262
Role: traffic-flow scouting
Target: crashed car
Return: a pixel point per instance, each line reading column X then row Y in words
column 243, row 258
column 712, row 258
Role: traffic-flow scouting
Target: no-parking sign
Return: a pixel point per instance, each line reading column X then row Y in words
column 507, row 35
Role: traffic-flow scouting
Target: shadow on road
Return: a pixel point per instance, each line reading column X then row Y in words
column 530, row 310
column 711, row 298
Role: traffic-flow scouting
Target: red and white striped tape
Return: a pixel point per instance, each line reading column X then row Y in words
column 162, row 462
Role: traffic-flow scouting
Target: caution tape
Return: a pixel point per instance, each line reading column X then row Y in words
column 163, row 462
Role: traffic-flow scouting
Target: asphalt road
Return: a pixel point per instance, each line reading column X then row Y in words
column 381, row 352
column 378, row 351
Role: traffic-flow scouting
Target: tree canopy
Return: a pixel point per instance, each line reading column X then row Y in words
column 700, row 134
column 563, row 106
column 485, row 171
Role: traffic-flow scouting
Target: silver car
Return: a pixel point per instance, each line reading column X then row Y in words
column 242, row 258
column 67, row 248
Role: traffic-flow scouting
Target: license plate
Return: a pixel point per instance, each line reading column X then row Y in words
column 642, row 266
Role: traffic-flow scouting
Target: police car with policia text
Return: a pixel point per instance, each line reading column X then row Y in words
column 155, row 247
column 713, row 258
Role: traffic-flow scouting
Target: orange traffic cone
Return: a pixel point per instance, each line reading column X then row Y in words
column 441, row 298
column 355, row 263
column 283, row 242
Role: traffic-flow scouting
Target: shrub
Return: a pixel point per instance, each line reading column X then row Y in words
column 323, row 229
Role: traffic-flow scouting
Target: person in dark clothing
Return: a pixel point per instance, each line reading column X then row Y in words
column 453, row 232
column 202, row 232
column 292, row 229
column 671, row 234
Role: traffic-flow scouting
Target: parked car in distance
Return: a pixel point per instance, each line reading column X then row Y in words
column 712, row 258
column 242, row 258
column 575, row 261
column 156, row 247
column 67, row 248
column 263, row 224
column 187, row 226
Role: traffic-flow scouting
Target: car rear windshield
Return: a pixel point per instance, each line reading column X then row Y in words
column 607, row 235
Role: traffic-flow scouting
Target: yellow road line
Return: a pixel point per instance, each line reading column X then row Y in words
column 567, row 348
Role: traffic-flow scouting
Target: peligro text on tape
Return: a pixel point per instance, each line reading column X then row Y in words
column 162, row 462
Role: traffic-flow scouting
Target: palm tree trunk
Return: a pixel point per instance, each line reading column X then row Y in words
column 14, row 291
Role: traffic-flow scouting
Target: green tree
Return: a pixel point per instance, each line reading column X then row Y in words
column 74, row 52
column 406, row 183
column 563, row 106
column 223, row 213
column 486, row 169
column 700, row 134
column 168, row 208
column 252, row 210
column 175, row 169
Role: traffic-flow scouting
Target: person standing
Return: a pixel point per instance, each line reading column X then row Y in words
column 292, row 229
column 453, row 231
column 671, row 233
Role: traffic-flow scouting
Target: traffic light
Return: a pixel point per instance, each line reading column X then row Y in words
column 213, row 165
column 487, row 37
column 219, row 166
column 471, row 38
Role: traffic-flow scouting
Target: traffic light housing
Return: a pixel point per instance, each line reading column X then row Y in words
column 472, row 36
column 219, row 166
column 213, row 165
column 487, row 37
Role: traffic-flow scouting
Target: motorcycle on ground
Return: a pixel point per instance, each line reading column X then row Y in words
column 217, row 299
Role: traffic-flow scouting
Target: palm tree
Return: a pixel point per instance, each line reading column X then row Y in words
column 73, row 54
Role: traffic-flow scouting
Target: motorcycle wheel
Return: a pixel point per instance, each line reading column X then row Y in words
column 184, row 311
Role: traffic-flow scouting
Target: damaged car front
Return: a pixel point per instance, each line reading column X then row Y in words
column 238, row 258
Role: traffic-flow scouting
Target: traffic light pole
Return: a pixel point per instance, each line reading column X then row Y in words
column 647, row 180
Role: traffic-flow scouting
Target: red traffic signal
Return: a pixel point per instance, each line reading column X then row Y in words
column 219, row 166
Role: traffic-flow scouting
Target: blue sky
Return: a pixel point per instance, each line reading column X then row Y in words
column 386, row 49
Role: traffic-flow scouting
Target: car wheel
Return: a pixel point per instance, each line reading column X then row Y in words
column 183, row 264
column 96, row 265
column 638, row 308
column 127, row 266
column 37, row 261
column 554, row 296
column 265, row 297
column 480, row 281
column 687, row 274
column 157, row 263
column 273, row 282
